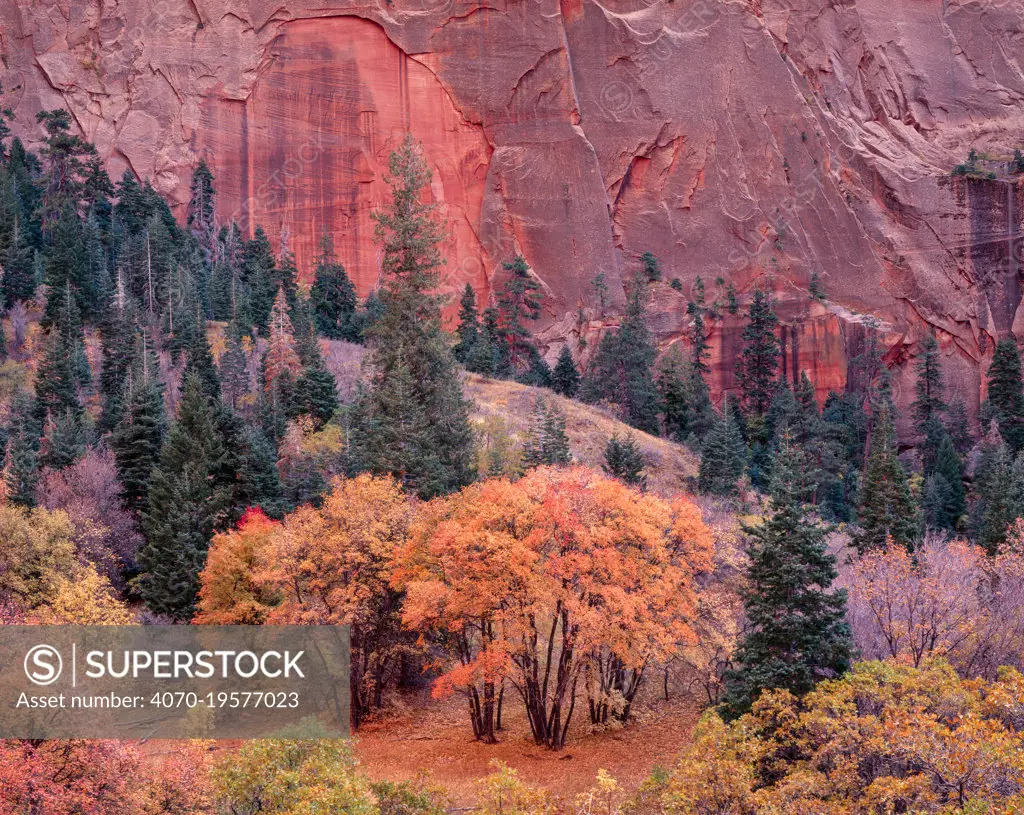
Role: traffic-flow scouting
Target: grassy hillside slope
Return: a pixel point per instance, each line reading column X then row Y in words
column 588, row 427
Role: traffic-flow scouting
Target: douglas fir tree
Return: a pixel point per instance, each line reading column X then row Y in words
column 797, row 633
column 412, row 420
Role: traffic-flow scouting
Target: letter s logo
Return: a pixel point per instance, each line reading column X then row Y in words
column 43, row 665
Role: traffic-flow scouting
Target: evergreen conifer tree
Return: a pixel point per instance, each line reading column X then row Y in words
column 259, row 482
column 468, row 329
column 138, row 438
column 759, row 361
column 949, row 467
column 231, row 434
column 675, row 409
column 261, row 278
column 565, row 379
column 490, row 354
column 367, row 314
column 393, row 434
column 538, row 372
column 698, row 395
column 622, row 371
column 723, row 456
column 117, row 338
column 958, row 426
column 519, row 300
column 286, row 272
column 929, row 407
column 316, row 392
column 234, row 369
column 63, row 366
column 16, row 251
column 22, row 463
column 63, row 441
column 281, row 352
column 66, row 158
column 546, row 441
column 623, row 459
column 66, row 265
column 414, row 381
column 652, row 269
column 936, row 495
column 994, row 511
column 332, row 296
column 316, row 388
column 1006, row 393
column 699, row 347
column 202, row 201
column 887, row 508
column 797, row 633
column 199, row 361
column 183, row 508
column 228, row 292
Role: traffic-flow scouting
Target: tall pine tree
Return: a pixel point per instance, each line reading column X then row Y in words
column 929, row 407
column 546, row 442
column 139, row 435
column 468, row 329
column 261, row 278
column 22, row 463
column 698, row 395
column 622, row 371
column 413, row 380
column 945, row 500
column 797, row 634
column 183, row 508
column 332, row 296
column 623, row 459
column 887, row 508
column 723, row 456
column 202, row 205
column 1006, row 393
column 759, row 361
column 671, row 381
column 518, row 300
column 565, row 379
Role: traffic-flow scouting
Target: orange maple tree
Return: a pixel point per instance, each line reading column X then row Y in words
column 232, row 591
column 331, row 565
column 549, row 581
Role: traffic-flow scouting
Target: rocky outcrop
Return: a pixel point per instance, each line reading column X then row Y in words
column 756, row 142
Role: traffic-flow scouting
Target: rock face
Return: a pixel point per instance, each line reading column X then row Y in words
column 756, row 142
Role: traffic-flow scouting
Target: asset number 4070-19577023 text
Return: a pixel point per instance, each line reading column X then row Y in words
column 226, row 699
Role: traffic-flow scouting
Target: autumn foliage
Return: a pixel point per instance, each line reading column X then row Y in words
column 327, row 565
column 233, row 590
column 886, row 738
column 100, row 778
column 948, row 599
column 562, row 580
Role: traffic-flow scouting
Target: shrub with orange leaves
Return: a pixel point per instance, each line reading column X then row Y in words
column 548, row 580
column 885, row 738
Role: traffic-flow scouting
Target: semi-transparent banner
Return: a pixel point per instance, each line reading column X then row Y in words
column 141, row 682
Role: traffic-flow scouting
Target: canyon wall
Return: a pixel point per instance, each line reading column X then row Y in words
column 755, row 142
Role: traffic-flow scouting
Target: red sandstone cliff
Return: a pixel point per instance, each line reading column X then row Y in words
column 755, row 141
